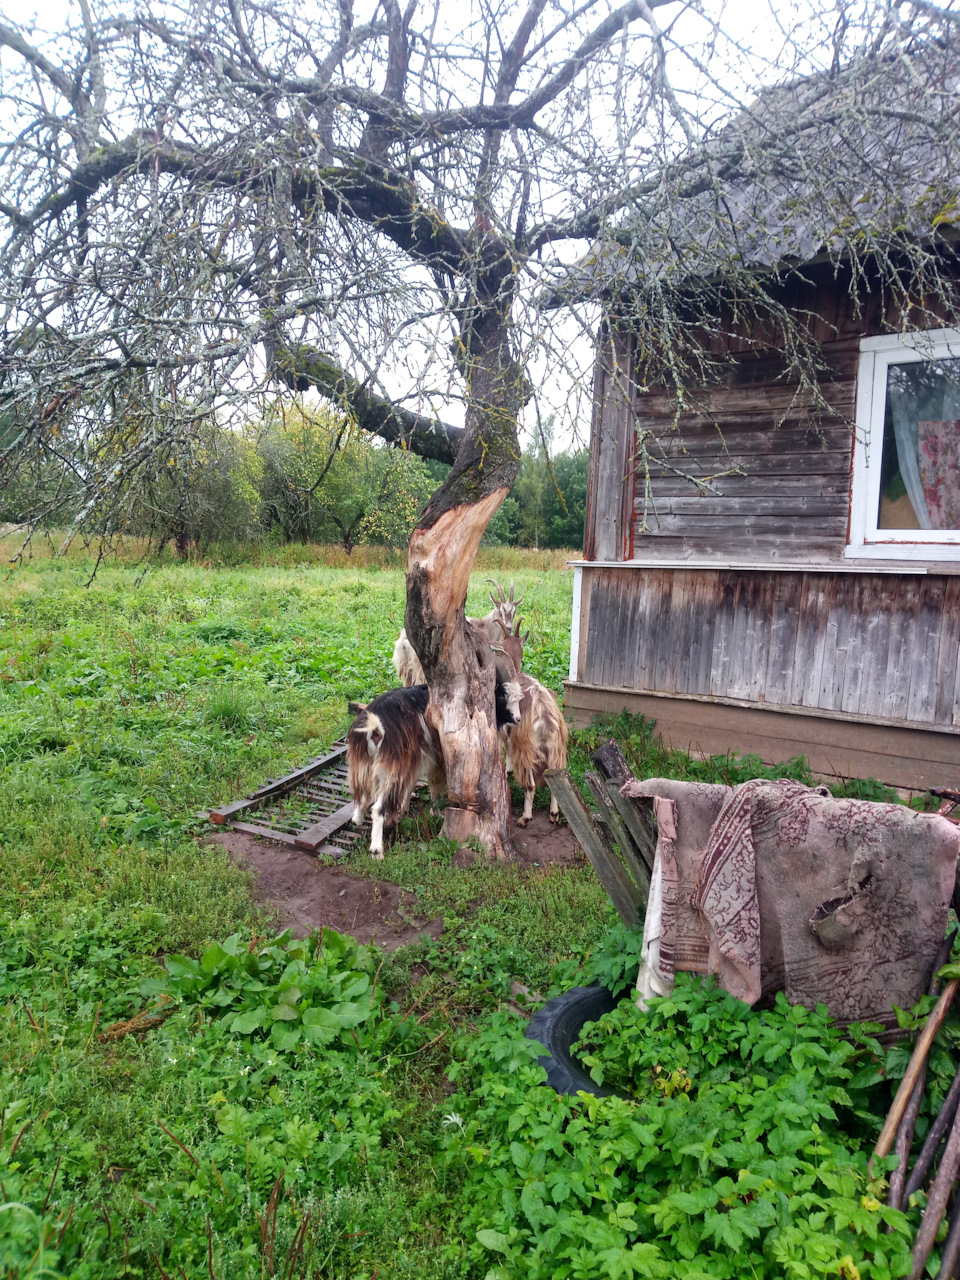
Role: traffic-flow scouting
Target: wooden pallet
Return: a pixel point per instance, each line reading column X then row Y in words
column 309, row 808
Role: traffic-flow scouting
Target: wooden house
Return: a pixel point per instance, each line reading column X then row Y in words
column 764, row 576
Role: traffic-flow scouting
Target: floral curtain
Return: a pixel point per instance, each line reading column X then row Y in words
column 924, row 402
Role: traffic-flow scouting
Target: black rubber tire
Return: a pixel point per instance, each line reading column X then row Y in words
column 557, row 1026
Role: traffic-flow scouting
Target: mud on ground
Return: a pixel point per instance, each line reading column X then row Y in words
column 308, row 893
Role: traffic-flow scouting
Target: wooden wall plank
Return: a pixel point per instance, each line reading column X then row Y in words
column 609, row 641
column 784, row 624
column 709, row 596
column 722, row 632
column 612, row 445
column 879, row 600
column 626, row 638
column 922, row 692
column 902, row 652
column 948, row 668
column 591, row 653
column 669, row 624
column 647, row 641
column 689, row 635
column 737, row 678
column 840, row 623
column 744, row 525
column 860, row 587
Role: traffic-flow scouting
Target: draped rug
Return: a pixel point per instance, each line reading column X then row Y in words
column 774, row 886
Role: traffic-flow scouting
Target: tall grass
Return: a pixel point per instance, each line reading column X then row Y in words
column 127, row 549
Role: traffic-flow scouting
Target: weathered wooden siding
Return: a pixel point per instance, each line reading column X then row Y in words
column 776, row 462
column 878, row 647
column 776, row 473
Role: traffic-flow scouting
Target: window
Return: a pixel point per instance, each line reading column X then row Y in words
column 906, row 460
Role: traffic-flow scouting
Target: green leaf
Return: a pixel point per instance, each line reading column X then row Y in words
column 244, row 1023
column 491, row 1239
column 316, row 1016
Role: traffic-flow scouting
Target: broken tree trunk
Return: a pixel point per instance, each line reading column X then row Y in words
column 461, row 674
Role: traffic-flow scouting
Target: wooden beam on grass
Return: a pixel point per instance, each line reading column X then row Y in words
column 618, row 831
column 624, row 894
column 635, row 813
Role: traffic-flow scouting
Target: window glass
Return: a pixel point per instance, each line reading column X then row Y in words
column 920, row 465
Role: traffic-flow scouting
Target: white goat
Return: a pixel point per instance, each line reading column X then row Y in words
column 491, row 628
column 539, row 741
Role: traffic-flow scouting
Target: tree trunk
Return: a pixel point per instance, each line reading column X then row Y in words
column 442, row 548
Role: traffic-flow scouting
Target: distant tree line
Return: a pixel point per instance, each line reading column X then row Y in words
column 304, row 474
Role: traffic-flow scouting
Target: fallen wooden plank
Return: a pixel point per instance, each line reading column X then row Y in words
column 268, row 833
column 635, row 863
column 624, row 894
column 637, row 816
column 315, row 836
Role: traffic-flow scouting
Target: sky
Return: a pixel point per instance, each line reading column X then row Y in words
column 758, row 38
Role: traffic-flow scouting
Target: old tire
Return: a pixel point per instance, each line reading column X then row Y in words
column 557, row 1026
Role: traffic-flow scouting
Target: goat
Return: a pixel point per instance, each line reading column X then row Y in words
column 539, row 741
column 391, row 747
column 490, row 629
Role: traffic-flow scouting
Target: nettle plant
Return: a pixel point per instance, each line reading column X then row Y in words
column 291, row 991
column 738, row 1151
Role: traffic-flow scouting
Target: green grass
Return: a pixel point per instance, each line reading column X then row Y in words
column 129, row 705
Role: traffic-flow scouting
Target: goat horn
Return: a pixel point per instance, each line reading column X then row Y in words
column 500, row 598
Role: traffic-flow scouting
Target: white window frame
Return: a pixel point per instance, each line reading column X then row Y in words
column 866, row 540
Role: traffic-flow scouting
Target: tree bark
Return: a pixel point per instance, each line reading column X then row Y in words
column 461, row 673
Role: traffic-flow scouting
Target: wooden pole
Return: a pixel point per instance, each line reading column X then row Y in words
column 950, row 1253
column 637, row 815
column 898, row 1178
column 937, row 1202
column 936, row 1134
column 908, row 1124
column 889, row 1130
column 624, row 894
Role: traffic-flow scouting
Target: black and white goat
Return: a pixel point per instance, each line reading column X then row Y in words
column 391, row 747
column 539, row 740
column 491, row 628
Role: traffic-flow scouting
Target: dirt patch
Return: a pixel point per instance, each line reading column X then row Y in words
column 539, row 844
column 307, row 893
